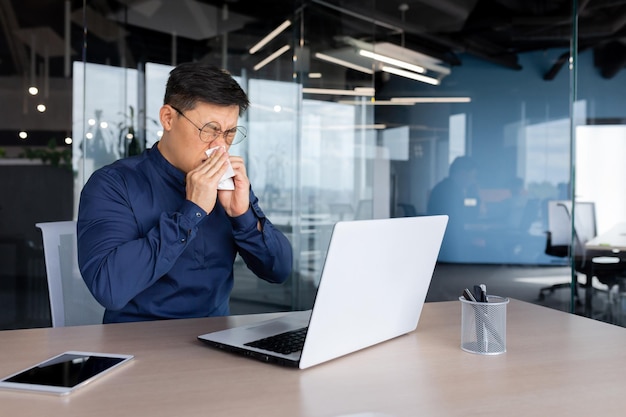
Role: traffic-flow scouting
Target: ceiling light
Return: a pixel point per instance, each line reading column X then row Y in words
column 344, row 63
column 431, row 99
column 41, row 108
column 272, row 57
column 358, row 127
column 411, row 75
column 392, row 61
column 22, row 135
column 270, row 36
column 365, row 91
column 400, row 53
column 359, row 91
column 349, row 126
column 315, row 75
column 374, row 103
column 33, row 91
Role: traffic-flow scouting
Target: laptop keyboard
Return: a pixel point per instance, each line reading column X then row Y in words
column 285, row 343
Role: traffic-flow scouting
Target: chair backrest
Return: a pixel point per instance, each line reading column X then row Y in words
column 71, row 303
column 560, row 225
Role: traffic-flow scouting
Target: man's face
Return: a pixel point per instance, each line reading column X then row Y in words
column 185, row 148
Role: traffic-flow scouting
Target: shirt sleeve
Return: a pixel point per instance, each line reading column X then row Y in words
column 266, row 252
column 110, row 246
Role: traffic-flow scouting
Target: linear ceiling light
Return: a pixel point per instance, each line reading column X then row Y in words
column 375, row 103
column 272, row 57
column 344, row 63
column 270, row 36
column 349, row 127
column 359, row 91
column 392, row 61
column 431, row 99
column 411, row 75
column 365, row 91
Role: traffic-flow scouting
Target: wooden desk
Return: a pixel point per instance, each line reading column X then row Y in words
column 613, row 240
column 607, row 253
column 556, row 364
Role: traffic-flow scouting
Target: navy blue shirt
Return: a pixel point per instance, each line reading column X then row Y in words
column 146, row 252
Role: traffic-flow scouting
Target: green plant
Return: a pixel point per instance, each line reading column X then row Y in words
column 50, row 155
column 132, row 141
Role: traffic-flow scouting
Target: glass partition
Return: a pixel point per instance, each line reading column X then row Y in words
column 492, row 124
column 599, row 141
column 311, row 159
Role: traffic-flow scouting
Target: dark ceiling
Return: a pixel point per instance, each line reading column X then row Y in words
column 496, row 31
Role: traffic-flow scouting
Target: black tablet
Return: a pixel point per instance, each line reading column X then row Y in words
column 64, row 373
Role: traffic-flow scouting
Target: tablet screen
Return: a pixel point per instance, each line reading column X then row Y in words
column 64, row 372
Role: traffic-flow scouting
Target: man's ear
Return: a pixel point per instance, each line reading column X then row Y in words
column 166, row 114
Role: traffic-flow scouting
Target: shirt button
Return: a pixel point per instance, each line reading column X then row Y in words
column 183, row 240
column 198, row 214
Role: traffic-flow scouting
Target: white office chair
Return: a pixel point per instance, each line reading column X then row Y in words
column 606, row 269
column 71, row 303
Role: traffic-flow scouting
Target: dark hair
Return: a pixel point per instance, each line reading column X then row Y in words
column 462, row 165
column 194, row 81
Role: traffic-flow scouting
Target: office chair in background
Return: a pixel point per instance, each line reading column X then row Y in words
column 71, row 303
column 561, row 243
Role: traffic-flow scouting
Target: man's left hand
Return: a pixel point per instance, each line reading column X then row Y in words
column 237, row 201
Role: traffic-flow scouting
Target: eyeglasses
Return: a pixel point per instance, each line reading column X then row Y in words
column 212, row 130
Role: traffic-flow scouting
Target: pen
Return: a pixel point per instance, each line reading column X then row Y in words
column 477, row 292
column 483, row 293
column 467, row 294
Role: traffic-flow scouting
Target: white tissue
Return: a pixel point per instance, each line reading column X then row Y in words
column 226, row 183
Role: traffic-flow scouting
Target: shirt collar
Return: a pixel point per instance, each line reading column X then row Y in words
column 167, row 168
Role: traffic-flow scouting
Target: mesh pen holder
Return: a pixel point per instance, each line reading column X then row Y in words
column 483, row 325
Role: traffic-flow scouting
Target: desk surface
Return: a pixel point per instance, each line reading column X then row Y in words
column 556, row 364
column 613, row 239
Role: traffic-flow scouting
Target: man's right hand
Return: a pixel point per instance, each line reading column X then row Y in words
column 202, row 182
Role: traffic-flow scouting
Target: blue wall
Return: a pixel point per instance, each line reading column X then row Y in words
column 501, row 99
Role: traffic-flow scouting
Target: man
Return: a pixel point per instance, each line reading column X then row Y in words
column 157, row 239
column 457, row 196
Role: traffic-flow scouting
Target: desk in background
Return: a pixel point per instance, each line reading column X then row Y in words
column 614, row 240
column 608, row 252
column 557, row 364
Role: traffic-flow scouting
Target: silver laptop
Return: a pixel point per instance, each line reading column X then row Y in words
column 372, row 289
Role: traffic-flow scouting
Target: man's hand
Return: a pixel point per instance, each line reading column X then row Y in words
column 237, row 201
column 202, row 181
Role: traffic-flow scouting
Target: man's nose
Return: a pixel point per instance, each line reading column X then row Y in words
column 219, row 141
